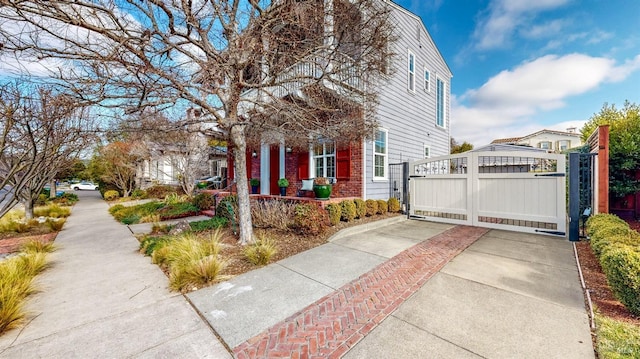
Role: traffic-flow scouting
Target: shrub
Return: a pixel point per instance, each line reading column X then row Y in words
column 139, row 193
column 177, row 210
column 348, row 210
column 382, row 206
column 111, row 195
column 213, row 223
column 272, row 214
column 361, row 208
column 37, row 246
column 55, row 225
column 621, row 264
column 595, row 222
column 150, row 243
column 52, row 210
column 42, row 199
column 394, row 205
column 67, row 198
column 225, row 206
column 160, row 191
column 335, row 213
column 372, row 207
column 204, row 201
column 193, row 261
column 261, row 251
column 310, row 219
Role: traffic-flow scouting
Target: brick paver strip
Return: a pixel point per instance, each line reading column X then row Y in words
column 336, row 322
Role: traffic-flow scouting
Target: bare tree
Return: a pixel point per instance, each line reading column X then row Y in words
column 43, row 131
column 303, row 69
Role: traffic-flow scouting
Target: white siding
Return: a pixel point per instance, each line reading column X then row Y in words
column 410, row 117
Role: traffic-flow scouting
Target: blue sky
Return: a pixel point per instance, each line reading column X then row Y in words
column 520, row 66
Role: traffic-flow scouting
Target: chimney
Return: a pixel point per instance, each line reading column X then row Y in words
column 571, row 130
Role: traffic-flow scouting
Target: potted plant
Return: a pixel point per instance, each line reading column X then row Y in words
column 283, row 183
column 322, row 187
column 255, row 183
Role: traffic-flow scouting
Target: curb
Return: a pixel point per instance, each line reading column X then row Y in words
column 366, row 227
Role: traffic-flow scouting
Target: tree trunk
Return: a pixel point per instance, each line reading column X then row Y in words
column 54, row 189
column 244, row 207
column 28, row 209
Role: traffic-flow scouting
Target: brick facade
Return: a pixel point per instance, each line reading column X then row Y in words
column 350, row 186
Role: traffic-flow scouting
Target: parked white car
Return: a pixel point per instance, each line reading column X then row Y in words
column 84, row 185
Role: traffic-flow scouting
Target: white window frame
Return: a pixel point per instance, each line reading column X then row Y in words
column 426, row 152
column 550, row 145
column 316, row 157
column 564, row 142
column 384, row 155
column 441, row 102
column 411, row 71
column 427, row 80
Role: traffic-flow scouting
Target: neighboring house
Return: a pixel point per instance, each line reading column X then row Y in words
column 165, row 163
column 549, row 140
column 413, row 117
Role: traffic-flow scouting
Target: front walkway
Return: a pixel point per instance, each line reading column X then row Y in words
column 102, row 299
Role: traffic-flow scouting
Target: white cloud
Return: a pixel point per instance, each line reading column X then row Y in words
column 504, row 16
column 509, row 103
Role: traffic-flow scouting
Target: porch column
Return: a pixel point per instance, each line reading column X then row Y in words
column 265, row 166
column 283, row 172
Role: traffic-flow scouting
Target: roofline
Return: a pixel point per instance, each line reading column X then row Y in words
column 424, row 27
column 551, row 131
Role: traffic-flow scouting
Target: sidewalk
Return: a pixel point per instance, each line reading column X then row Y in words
column 102, row 299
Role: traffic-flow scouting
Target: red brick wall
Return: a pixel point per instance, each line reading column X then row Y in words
column 344, row 188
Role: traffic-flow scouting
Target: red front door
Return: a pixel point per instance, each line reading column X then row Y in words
column 274, row 169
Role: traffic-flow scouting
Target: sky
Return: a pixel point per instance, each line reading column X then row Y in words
column 520, row 66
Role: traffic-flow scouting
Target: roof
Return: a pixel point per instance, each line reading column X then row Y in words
column 512, row 140
column 506, row 147
column 506, row 140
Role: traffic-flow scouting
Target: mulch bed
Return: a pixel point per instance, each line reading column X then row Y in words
column 13, row 244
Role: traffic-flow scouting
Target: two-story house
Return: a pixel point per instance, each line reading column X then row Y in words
column 549, row 140
column 413, row 114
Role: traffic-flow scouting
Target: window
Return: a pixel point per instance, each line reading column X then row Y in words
column 324, row 158
column 427, row 151
column 427, row 84
column 545, row 145
column 380, row 155
column 563, row 145
column 411, row 68
column 440, row 102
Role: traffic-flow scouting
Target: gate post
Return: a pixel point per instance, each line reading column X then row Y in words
column 405, row 185
column 574, row 197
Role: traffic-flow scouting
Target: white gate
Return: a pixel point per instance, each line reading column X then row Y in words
column 516, row 190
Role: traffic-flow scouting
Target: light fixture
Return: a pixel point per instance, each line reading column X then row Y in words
column 254, row 154
column 289, row 149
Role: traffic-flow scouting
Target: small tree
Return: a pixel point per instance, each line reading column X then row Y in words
column 624, row 145
column 460, row 147
column 116, row 164
column 43, row 130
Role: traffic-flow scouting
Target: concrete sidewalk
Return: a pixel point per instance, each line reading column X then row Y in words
column 102, row 299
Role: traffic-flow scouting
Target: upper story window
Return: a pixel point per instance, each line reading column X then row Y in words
column 324, row 158
column 380, row 147
column 427, row 82
column 441, row 94
column 563, row 145
column 545, row 145
column 411, row 70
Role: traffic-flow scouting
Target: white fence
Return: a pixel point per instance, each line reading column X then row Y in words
column 521, row 191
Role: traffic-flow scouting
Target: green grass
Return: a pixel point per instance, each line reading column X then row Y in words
column 52, row 210
column 152, row 211
column 616, row 339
